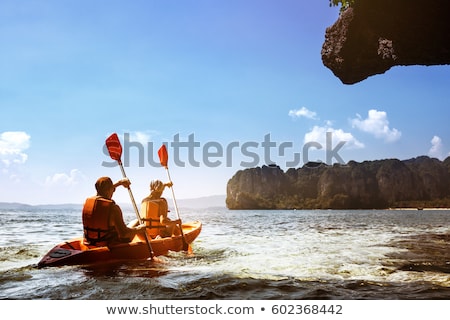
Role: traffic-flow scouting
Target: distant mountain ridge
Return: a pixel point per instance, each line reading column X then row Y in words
column 194, row 203
column 24, row 206
column 202, row 202
column 417, row 182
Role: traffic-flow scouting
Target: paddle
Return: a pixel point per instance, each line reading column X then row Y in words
column 163, row 159
column 115, row 151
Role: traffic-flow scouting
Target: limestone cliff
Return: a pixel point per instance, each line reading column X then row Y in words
column 417, row 182
column 372, row 36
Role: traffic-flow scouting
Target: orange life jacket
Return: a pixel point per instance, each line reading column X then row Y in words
column 96, row 217
column 151, row 211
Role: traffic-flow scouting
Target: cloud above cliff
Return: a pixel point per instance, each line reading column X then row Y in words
column 319, row 134
column 303, row 112
column 377, row 124
column 437, row 149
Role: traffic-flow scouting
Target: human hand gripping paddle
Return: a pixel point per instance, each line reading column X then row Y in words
column 115, row 151
column 163, row 159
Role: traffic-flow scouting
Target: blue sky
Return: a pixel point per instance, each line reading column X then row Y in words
column 229, row 74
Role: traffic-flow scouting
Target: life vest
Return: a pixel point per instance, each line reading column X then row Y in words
column 151, row 210
column 96, row 217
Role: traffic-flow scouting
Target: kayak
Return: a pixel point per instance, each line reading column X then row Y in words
column 76, row 252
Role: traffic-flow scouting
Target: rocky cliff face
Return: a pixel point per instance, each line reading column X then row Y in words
column 417, row 182
column 372, row 36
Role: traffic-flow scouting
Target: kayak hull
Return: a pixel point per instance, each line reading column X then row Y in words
column 75, row 252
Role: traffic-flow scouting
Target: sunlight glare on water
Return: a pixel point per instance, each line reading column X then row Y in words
column 312, row 246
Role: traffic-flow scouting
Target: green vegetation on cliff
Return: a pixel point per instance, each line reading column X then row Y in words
column 344, row 3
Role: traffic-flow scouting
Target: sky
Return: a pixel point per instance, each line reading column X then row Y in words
column 226, row 85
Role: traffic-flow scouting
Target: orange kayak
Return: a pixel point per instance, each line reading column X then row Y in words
column 75, row 252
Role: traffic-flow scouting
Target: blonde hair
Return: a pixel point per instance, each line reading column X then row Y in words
column 156, row 185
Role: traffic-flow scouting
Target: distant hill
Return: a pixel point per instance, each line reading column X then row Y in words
column 14, row 206
column 196, row 203
column 417, row 182
column 203, row 202
column 24, row 206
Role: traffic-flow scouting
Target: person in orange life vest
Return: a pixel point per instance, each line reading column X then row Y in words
column 154, row 210
column 102, row 218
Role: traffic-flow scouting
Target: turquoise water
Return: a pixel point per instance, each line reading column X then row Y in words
column 321, row 254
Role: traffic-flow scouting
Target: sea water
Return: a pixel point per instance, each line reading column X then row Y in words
column 273, row 254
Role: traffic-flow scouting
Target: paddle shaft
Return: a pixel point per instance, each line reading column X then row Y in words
column 115, row 151
column 185, row 244
column 136, row 210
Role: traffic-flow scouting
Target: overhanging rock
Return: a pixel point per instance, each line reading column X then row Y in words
column 373, row 36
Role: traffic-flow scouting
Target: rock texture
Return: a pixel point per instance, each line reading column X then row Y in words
column 418, row 182
column 372, row 36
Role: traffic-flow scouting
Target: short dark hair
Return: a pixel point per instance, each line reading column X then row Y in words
column 103, row 185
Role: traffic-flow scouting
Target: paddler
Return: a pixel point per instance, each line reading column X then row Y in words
column 154, row 211
column 103, row 219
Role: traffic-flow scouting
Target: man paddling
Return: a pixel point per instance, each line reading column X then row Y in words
column 103, row 219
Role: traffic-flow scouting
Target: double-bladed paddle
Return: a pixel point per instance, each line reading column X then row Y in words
column 115, row 151
column 163, row 159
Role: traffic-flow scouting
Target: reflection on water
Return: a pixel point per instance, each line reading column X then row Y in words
column 245, row 255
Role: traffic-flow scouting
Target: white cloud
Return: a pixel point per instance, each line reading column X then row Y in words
column 303, row 112
column 12, row 147
column 143, row 137
column 318, row 134
column 437, row 148
column 63, row 179
column 378, row 125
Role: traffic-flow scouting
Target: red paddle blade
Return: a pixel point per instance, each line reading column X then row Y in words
column 163, row 156
column 114, row 147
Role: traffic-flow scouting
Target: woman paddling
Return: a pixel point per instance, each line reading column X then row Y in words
column 154, row 210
